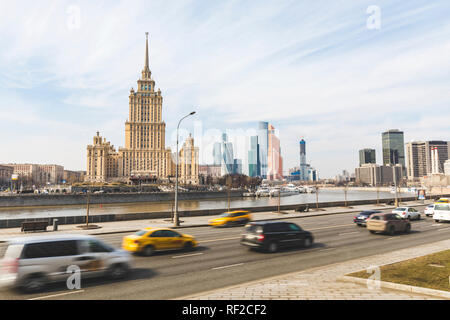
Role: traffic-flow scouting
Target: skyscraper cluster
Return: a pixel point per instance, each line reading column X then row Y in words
column 421, row 159
column 262, row 159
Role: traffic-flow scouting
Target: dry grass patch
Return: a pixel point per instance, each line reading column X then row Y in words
column 431, row 271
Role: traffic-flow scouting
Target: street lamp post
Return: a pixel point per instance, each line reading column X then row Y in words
column 175, row 214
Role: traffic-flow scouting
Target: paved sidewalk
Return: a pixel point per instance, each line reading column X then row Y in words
column 198, row 221
column 323, row 283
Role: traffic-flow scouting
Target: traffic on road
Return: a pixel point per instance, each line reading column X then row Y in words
column 161, row 263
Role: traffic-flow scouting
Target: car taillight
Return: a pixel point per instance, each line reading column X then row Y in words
column 136, row 241
column 10, row 265
column 261, row 237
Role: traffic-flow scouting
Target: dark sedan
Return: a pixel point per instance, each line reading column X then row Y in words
column 361, row 218
column 272, row 235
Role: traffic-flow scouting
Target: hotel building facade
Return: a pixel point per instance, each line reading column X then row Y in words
column 145, row 156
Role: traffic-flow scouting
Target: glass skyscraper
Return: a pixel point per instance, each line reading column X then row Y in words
column 393, row 147
column 263, row 134
column 254, row 165
column 367, row 156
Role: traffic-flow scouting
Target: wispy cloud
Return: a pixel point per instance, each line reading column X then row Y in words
column 313, row 69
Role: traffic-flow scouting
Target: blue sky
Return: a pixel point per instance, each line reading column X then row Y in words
column 311, row 68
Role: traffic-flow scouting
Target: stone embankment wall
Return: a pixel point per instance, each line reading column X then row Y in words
column 15, row 223
column 31, row 200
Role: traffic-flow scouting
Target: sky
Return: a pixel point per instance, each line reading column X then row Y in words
column 335, row 73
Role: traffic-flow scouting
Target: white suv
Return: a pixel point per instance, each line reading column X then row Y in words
column 407, row 213
column 32, row 262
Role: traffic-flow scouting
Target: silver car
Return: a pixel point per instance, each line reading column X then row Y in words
column 407, row 213
column 30, row 263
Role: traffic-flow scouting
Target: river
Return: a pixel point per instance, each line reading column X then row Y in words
column 116, row 208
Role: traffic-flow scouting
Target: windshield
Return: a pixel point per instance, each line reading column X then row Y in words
column 225, row 215
column 400, row 209
column 141, row 233
column 443, row 207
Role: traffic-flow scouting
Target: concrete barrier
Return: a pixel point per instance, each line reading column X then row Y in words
column 15, row 223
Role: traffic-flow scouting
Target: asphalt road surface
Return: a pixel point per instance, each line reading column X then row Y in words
column 221, row 261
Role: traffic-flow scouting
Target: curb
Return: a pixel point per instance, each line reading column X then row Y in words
column 400, row 287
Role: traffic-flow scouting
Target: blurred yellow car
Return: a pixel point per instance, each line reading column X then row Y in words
column 231, row 218
column 442, row 200
column 149, row 240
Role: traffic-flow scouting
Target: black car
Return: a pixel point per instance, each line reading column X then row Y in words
column 272, row 235
column 361, row 218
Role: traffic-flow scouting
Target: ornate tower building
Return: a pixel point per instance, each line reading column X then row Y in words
column 144, row 155
column 188, row 162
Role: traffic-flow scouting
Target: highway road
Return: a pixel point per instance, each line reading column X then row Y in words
column 221, row 261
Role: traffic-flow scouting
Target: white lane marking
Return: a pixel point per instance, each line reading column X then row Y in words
column 346, row 233
column 331, row 227
column 187, row 255
column 392, row 238
column 443, row 229
column 57, row 295
column 234, row 238
column 229, row 266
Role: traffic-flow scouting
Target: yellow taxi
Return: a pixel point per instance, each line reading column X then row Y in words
column 443, row 200
column 149, row 240
column 232, row 218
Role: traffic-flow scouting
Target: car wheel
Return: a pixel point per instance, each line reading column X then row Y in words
column 408, row 228
column 188, row 246
column 436, row 220
column 372, row 231
column 419, row 217
column 148, row 251
column 273, row 247
column 118, row 271
column 391, row 230
column 34, row 283
column 307, row 242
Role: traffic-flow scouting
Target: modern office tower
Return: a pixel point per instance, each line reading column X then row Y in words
column 237, row 166
column 217, row 153
column 227, row 159
column 419, row 157
column 254, row 165
column 393, row 147
column 303, row 165
column 375, row 175
column 313, row 175
column 367, row 156
column 263, row 134
column 274, row 159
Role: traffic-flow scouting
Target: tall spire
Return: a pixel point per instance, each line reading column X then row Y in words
column 146, row 52
column 146, row 73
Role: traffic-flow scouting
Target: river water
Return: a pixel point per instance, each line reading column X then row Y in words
column 236, row 203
